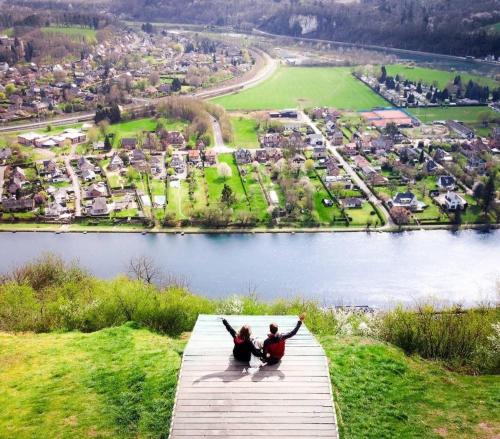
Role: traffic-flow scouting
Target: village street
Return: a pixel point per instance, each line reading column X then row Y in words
column 2, row 173
column 219, row 146
column 351, row 172
column 74, row 180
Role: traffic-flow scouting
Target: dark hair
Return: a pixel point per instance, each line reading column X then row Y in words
column 273, row 327
column 245, row 332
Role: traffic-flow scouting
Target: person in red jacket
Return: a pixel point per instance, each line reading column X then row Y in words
column 274, row 346
column 244, row 346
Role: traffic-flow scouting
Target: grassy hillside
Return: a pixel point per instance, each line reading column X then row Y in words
column 382, row 393
column 292, row 87
column 75, row 33
column 117, row 377
column 118, row 382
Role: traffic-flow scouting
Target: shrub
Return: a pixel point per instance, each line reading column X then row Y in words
column 462, row 338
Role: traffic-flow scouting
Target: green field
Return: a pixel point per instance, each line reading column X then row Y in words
column 382, row 393
column 463, row 114
column 244, row 132
column 441, row 77
column 305, row 87
column 118, row 382
column 75, row 33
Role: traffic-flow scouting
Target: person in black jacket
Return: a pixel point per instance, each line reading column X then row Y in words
column 273, row 349
column 244, row 346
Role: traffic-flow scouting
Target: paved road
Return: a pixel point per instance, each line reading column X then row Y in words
column 218, row 139
column 352, row 173
column 74, row 180
column 265, row 72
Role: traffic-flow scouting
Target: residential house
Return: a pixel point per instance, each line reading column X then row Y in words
column 137, row 156
column 315, row 139
column 337, row 138
column 442, row 156
column 194, row 156
column 115, row 163
column 96, row 190
column 261, row 155
column 453, row 201
column 446, row 182
column 407, row 200
column 210, row 157
column 85, row 165
column 271, row 140
column 19, row 174
column 351, row 203
column 174, row 138
column 350, row 149
column 28, row 139
column 332, row 168
column 157, row 166
column 476, row 164
column 15, row 205
column 99, row 207
column 319, row 152
column 128, row 143
column 243, row 156
column 177, row 163
column 460, row 129
column 55, row 210
column 274, row 154
column 431, row 166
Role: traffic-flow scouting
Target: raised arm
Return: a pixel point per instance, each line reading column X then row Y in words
column 229, row 328
column 293, row 331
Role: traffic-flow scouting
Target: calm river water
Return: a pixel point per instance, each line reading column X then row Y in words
column 351, row 268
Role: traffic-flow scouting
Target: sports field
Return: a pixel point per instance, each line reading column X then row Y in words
column 441, row 77
column 464, row 114
column 302, row 87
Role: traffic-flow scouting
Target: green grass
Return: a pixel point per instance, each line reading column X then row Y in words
column 381, row 393
column 75, row 33
column 463, row 114
column 305, row 87
column 216, row 183
column 245, row 132
column 441, row 77
column 360, row 217
column 133, row 127
column 118, row 382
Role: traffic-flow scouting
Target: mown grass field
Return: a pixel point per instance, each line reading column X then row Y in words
column 463, row 114
column 305, row 87
column 244, row 132
column 118, row 382
column 76, row 33
column 441, row 77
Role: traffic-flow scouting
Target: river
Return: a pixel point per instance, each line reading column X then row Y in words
column 378, row 269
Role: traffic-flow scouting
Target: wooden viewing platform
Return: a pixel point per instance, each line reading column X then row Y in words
column 219, row 397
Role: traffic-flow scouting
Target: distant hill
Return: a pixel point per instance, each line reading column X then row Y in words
column 457, row 27
column 447, row 26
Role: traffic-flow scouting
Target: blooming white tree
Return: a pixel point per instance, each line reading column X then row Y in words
column 224, row 170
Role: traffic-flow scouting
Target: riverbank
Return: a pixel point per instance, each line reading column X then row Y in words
column 75, row 228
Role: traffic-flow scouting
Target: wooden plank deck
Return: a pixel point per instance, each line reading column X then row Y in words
column 219, row 397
